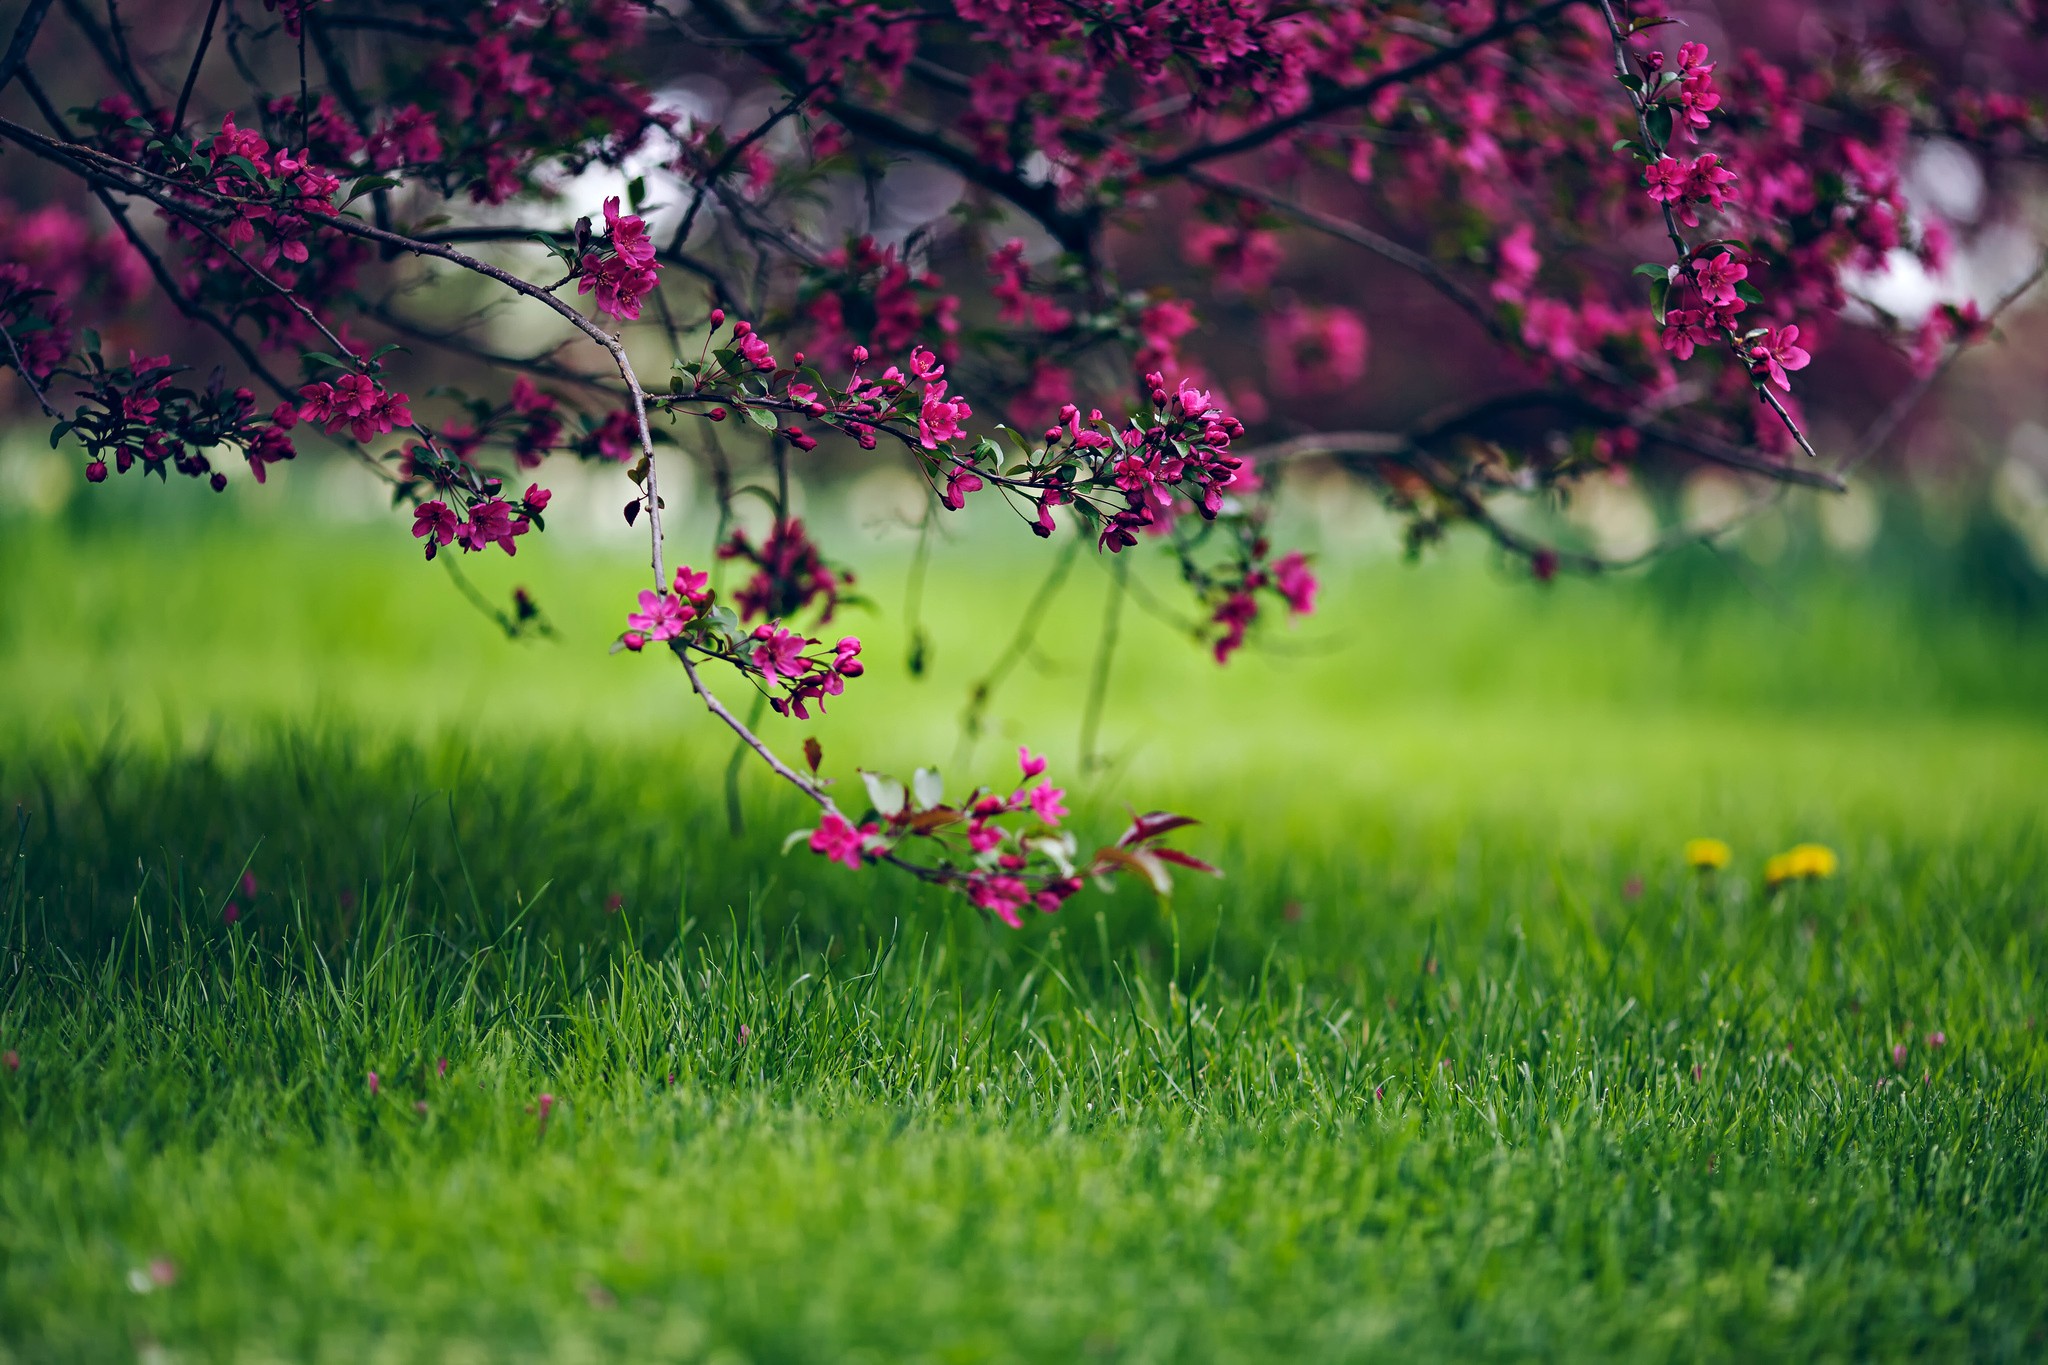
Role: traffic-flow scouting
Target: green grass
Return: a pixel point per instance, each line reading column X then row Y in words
column 1422, row 1078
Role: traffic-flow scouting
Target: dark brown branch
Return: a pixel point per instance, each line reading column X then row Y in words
column 130, row 83
column 1073, row 231
column 25, row 31
column 198, row 60
column 1352, row 96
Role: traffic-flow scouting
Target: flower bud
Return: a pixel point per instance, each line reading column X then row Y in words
column 96, row 472
column 718, row 317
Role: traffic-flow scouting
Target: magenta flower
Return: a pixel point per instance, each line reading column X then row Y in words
column 1667, row 179
column 1296, row 583
column 1045, row 802
column 1937, row 1039
column 661, row 615
column 778, row 653
column 1717, row 278
column 373, row 1082
column 846, row 658
column 634, row 641
column 537, row 497
column 441, row 1066
column 983, row 836
column 1686, row 329
column 1001, row 895
column 491, row 523
column 230, row 913
column 838, row 839
column 960, row 481
column 693, row 584
column 436, row 523
column 1775, row 352
column 940, row 419
column 1031, row 763
column 1899, row 1055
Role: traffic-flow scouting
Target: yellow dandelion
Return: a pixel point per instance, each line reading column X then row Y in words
column 1708, row 855
column 1801, row 862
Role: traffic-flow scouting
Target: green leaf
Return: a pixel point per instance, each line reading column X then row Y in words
column 249, row 169
column 1660, row 289
column 1747, row 292
column 762, row 418
column 369, row 184
column 1659, row 120
column 1653, row 270
column 322, row 358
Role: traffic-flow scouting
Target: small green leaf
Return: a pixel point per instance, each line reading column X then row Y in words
column 1748, row 292
column 1653, row 270
column 369, row 184
column 762, row 418
column 1660, row 289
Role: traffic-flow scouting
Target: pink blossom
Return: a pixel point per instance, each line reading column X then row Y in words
column 355, row 402
column 1899, row 1055
column 373, row 1082
column 846, row 658
column 1296, row 583
column 960, row 481
column 626, row 272
column 939, row 418
column 491, row 523
column 778, row 653
column 662, row 616
column 1518, row 262
column 1031, row 763
column 983, row 836
column 1315, row 350
column 838, row 839
column 694, row 584
column 537, row 497
column 1666, row 177
column 1045, row 801
column 1775, row 352
column 1685, row 329
column 436, row 523
column 1000, row 895
column 1718, row 277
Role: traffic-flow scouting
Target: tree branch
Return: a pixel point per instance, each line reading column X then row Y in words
column 1353, row 96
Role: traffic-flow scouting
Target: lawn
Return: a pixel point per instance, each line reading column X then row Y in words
column 1459, row 1061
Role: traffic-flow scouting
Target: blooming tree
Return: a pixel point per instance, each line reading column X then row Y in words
column 314, row 203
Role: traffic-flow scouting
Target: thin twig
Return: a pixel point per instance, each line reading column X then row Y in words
column 192, row 72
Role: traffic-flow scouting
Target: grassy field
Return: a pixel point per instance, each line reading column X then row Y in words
column 1458, row 1062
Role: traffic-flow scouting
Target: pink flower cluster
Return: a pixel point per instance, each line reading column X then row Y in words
column 490, row 521
column 623, row 270
column 137, row 413
column 908, row 307
column 356, row 403
column 1687, row 184
column 292, row 194
column 790, row 573
column 1289, row 576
